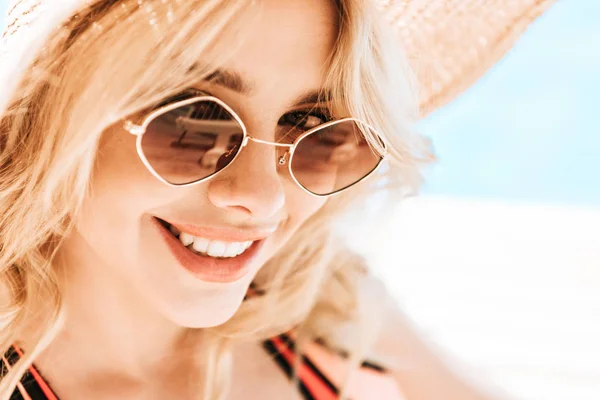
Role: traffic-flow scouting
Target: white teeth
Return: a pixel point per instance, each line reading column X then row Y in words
column 233, row 249
column 216, row 249
column 213, row 248
column 186, row 239
column 200, row 245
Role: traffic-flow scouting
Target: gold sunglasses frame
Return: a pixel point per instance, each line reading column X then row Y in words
column 140, row 130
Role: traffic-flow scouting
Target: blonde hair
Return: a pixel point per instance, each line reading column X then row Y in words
column 49, row 136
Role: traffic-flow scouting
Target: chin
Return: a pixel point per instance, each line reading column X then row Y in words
column 193, row 322
column 202, row 312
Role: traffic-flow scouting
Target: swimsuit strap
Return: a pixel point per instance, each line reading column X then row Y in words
column 320, row 373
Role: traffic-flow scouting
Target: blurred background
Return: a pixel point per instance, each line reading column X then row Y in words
column 498, row 261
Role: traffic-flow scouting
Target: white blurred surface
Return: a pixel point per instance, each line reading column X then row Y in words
column 510, row 290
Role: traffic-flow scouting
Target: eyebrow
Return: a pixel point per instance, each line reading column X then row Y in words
column 312, row 97
column 233, row 80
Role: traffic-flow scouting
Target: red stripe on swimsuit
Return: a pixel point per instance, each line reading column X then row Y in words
column 314, row 382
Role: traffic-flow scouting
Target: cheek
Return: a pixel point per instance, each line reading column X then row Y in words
column 122, row 190
column 301, row 206
column 120, row 178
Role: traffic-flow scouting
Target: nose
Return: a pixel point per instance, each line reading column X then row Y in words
column 251, row 184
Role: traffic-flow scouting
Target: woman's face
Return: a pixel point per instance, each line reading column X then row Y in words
column 117, row 237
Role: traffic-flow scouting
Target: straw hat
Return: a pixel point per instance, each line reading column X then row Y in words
column 450, row 43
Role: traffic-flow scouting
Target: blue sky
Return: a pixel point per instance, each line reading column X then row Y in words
column 530, row 129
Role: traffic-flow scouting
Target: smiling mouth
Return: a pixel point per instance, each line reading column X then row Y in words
column 207, row 247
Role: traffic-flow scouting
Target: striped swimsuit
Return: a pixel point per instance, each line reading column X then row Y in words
column 315, row 383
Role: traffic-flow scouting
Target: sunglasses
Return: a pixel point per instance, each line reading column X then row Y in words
column 191, row 140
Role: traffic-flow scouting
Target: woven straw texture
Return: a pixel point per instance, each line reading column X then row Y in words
column 450, row 43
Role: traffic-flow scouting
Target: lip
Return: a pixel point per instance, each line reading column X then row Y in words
column 223, row 234
column 209, row 269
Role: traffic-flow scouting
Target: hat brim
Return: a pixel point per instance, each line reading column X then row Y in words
column 452, row 43
column 449, row 43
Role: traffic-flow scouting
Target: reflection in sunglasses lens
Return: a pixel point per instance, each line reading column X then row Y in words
column 192, row 142
column 333, row 158
column 195, row 141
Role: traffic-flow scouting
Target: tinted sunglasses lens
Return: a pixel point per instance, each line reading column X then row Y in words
column 192, row 142
column 334, row 158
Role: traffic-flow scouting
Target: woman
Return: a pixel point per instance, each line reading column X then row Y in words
column 170, row 176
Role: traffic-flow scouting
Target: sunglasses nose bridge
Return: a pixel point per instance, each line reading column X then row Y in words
column 282, row 159
column 248, row 138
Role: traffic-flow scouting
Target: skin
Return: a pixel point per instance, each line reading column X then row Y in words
column 124, row 288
